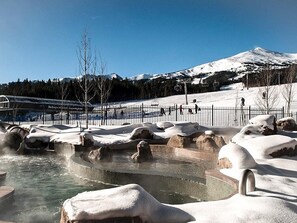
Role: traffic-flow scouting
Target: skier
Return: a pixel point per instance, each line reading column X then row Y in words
column 162, row 111
column 196, row 108
column 242, row 101
column 181, row 109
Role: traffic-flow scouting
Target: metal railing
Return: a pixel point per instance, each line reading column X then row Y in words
column 118, row 115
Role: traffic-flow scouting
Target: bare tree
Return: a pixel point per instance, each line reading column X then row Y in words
column 103, row 88
column 267, row 96
column 64, row 92
column 288, row 88
column 87, row 67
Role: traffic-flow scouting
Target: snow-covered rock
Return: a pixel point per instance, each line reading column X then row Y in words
column 164, row 125
column 265, row 121
column 208, row 141
column 238, row 156
column 262, row 147
column 182, row 129
column 142, row 133
column 247, row 132
column 110, row 203
column 178, row 141
column 288, row 124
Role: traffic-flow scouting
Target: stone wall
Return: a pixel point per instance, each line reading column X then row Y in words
column 192, row 186
column 219, row 186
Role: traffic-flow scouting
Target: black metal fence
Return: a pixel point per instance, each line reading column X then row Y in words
column 119, row 115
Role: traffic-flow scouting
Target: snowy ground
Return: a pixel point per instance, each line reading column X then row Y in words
column 275, row 198
column 228, row 96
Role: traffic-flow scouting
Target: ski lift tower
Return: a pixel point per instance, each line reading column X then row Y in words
column 185, row 81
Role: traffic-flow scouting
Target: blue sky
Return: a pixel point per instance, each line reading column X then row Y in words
column 39, row 38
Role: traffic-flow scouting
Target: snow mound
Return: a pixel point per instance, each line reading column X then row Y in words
column 129, row 200
column 261, row 147
column 267, row 121
column 238, row 156
column 164, row 125
column 182, row 129
column 248, row 132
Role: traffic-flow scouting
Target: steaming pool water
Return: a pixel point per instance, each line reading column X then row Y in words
column 43, row 183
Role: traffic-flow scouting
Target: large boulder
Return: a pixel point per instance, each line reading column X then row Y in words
column 164, row 125
column 114, row 204
column 141, row 133
column 14, row 128
column 247, row 132
column 143, row 153
column 236, row 157
column 266, row 147
column 286, row 151
column 267, row 122
column 86, row 139
column 287, row 124
column 210, row 142
column 178, row 141
column 12, row 141
column 36, row 143
column 102, row 153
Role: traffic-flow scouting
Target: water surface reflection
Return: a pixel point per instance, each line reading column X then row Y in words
column 42, row 183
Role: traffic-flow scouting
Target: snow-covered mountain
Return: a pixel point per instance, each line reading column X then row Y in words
column 248, row 61
column 239, row 65
column 141, row 77
column 90, row 76
column 233, row 67
column 113, row 76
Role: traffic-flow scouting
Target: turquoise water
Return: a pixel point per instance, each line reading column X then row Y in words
column 43, row 183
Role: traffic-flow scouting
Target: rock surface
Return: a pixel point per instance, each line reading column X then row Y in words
column 267, row 123
column 287, row 124
column 143, row 152
column 178, row 141
column 210, row 142
column 141, row 133
column 102, row 153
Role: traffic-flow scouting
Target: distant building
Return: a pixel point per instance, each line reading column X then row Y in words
column 11, row 102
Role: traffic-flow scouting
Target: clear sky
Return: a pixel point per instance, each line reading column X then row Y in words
column 39, row 38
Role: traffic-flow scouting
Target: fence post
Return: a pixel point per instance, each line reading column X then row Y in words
column 142, row 112
column 43, row 115
column 283, row 110
column 13, row 112
column 176, row 113
column 212, row 115
column 249, row 112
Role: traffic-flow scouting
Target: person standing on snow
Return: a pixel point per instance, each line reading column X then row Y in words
column 242, row 101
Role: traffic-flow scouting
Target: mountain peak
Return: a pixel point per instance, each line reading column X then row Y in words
column 259, row 49
column 241, row 63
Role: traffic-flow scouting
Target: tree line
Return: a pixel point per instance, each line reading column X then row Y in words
column 119, row 90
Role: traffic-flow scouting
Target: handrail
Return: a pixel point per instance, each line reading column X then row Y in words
column 247, row 175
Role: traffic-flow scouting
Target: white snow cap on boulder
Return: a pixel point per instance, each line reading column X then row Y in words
column 263, row 120
column 238, row 156
column 182, row 129
column 142, row 132
column 126, row 201
column 164, row 125
column 261, row 147
column 247, row 132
